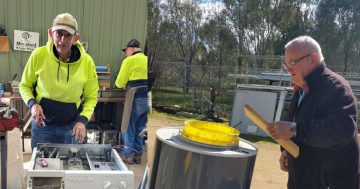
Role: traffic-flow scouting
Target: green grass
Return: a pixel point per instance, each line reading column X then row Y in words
column 155, row 113
column 253, row 138
column 169, row 89
column 170, row 96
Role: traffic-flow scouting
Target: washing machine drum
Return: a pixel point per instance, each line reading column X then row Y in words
column 180, row 163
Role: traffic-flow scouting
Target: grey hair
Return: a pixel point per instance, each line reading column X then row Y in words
column 306, row 42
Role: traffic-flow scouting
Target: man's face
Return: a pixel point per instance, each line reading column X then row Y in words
column 63, row 41
column 298, row 64
column 129, row 51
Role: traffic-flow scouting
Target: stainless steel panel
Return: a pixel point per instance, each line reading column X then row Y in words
column 178, row 164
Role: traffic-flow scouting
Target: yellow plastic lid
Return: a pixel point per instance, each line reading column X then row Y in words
column 210, row 133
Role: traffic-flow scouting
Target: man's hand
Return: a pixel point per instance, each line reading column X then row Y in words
column 79, row 131
column 38, row 115
column 284, row 161
column 280, row 130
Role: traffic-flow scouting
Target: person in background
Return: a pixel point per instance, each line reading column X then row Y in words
column 134, row 73
column 59, row 84
column 321, row 120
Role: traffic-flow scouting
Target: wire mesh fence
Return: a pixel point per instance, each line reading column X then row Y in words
column 188, row 87
column 196, row 88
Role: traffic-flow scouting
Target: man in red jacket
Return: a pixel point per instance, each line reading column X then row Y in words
column 321, row 120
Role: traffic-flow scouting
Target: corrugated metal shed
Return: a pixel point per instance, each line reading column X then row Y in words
column 105, row 25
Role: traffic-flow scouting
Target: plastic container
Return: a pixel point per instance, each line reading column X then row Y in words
column 2, row 89
column 210, row 133
column 101, row 68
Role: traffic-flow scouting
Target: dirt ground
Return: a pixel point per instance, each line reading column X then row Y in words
column 267, row 173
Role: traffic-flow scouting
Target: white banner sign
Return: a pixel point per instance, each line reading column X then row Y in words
column 25, row 40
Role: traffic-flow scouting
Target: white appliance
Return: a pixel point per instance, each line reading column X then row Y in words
column 71, row 166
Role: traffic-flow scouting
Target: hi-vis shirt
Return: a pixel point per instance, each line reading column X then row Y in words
column 133, row 73
column 60, row 86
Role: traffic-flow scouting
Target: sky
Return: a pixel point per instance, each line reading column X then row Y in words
column 208, row 7
column 211, row 6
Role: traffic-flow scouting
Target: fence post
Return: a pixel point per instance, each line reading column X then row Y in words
column 184, row 87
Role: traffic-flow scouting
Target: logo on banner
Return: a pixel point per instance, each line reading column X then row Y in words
column 26, row 35
column 25, row 40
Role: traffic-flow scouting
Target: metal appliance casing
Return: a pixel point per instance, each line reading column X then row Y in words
column 264, row 101
column 180, row 164
column 97, row 176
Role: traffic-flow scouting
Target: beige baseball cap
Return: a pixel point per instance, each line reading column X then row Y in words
column 65, row 21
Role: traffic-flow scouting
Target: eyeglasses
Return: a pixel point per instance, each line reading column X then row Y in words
column 66, row 35
column 293, row 62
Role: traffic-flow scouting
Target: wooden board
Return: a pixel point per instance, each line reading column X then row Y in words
column 15, row 167
column 4, row 44
column 287, row 144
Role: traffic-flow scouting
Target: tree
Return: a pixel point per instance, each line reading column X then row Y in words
column 220, row 48
column 292, row 19
column 182, row 19
column 262, row 27
column 154, row 20
column 338, row 30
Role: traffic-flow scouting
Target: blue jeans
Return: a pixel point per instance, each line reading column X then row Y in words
column 52, row 133
column 132, row 141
